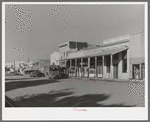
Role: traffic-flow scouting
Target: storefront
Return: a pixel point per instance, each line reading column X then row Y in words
column 115, row 59
column 102, row 65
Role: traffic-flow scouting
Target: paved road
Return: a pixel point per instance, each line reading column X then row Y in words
column 76, row 93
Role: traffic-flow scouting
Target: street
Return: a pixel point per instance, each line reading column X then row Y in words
column 71, row 92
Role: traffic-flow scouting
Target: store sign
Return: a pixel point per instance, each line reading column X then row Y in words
column 64, row 45
column 117, row 39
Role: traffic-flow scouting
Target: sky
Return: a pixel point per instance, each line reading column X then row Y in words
column 42, row 29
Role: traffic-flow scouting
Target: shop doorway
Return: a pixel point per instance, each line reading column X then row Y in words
column 136, row 71
column 115, row 70
column 99, row 67
column 115, row 65
column 142, row 71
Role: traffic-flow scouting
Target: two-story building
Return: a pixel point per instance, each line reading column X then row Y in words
column 117, row 58
column 67, row 47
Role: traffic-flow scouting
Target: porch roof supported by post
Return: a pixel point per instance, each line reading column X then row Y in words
column 104, row 52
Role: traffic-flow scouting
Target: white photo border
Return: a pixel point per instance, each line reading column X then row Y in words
column 92, row 113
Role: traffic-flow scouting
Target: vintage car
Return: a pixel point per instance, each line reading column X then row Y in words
column 36, row 73
column 56, row 72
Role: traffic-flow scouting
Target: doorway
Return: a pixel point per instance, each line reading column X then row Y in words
column 136, row 71
column 115, row 65
column 99, row 67
column 115, row 70
column 142, row 71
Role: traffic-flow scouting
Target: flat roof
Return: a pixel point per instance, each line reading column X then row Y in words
column 70, row 41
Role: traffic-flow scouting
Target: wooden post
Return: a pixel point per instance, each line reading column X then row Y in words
column 88, row 67
column 103, row 71
column 140, row 67
column 70, row 67
column 96, row 67
column 81, row 67
column 111, row 67
column 75, row 67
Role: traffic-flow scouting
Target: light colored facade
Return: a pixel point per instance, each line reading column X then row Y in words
column 19, row 64
column 15, row 64
column 117, row 58
column 9, row 65
column 38, row 65
column 67, row 47
column 55, row 58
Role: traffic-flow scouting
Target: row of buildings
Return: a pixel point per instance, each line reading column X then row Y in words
column 116, row 58
column 26, row 67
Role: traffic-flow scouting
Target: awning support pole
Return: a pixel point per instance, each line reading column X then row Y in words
column 103, row 69
column 88, row 67
column 111, row 66
column 75, row 67
column 81, row 67
column 96, row 67
column 70, row 67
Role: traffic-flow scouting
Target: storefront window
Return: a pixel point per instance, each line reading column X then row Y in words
column 92, row 71
column 124, row 61
column 99, row 70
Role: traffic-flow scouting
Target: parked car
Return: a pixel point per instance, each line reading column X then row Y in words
column 37, row 74
column 56, row 72
column 61, row 76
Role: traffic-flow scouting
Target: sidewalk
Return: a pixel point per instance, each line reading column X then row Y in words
column 101, row 79
column 109, row 80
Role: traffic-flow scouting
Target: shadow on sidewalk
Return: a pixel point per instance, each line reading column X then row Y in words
column 52, row 99
column 21, row 84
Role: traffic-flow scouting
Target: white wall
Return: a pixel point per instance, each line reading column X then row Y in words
column 54, row 58
column 17, row 64
column 9, row 64
column 137, row 46
column 136, row 52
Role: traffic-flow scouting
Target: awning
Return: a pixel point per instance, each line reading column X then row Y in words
column 35, row 68
column 110, row 51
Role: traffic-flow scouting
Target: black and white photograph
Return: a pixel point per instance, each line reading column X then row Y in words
column 76, row 56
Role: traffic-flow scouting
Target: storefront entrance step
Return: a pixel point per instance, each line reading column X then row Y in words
column 136, row 80
column 105, row 79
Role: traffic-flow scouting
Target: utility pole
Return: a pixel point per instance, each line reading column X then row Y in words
column 76, row 38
